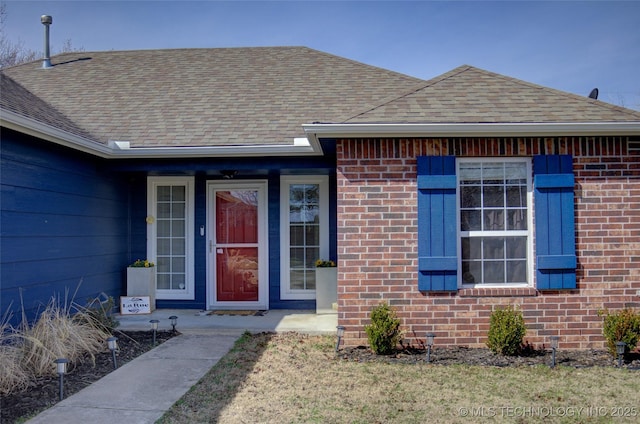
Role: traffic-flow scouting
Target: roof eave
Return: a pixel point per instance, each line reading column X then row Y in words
column 118, row 150
column 319, row 131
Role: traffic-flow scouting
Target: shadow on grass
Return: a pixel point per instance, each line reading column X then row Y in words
column 217, row 389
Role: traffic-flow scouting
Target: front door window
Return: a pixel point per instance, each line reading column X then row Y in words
column 236, row 242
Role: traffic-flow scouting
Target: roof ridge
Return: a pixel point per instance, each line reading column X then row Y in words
column 466, row 68
column 556, row 91
column 412, row 90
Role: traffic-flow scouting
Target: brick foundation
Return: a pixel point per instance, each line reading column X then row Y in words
column 377, row 242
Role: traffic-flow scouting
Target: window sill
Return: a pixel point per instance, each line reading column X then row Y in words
column 498, row 292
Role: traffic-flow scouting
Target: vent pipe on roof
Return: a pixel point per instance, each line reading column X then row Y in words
column 594, row 94
column 46, row 21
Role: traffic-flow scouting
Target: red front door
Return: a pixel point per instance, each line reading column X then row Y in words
column 236, row 245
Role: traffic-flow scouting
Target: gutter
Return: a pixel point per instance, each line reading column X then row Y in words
column 123, row 150
column 317, row 131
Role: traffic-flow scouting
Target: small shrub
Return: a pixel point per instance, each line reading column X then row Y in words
column 623, row 325
column 384, row 331
column 506, row 331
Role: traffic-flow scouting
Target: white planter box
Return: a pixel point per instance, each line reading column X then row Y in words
column 326, row 290
column 141, row 281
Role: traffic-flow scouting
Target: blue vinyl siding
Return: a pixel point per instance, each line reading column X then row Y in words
column 437, row 237
column 555, row 227
column 71, row 221
column 64, row 225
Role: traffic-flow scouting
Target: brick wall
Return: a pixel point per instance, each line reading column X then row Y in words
column 377, row 241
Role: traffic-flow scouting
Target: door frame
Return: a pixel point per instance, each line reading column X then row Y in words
column 263, row 245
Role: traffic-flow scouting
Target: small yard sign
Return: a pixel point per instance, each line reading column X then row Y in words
column 134, row 305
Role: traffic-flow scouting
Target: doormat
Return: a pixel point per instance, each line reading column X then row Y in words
column 239, row 313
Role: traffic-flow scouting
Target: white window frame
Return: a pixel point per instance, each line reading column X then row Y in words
column 152, row 248
column 528, row 232
column 286, row 292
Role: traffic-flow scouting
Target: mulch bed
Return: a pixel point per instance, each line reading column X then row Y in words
column 485, row 357
column 44, row 392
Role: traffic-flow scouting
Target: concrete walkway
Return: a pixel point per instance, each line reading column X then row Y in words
column 142, row 390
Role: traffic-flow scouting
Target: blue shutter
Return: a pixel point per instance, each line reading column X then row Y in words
column 555, row 227
column 437, row 236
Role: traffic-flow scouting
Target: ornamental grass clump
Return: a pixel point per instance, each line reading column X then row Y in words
column 60, row 334
column 13, row 377
column 506, row 331
column 384, row 331
column 621, row 326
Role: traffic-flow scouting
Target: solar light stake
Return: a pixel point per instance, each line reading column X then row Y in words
column 174, row 322
column 154, row 327
column 430, row 337
column 61, row 367
column 112, row 342
column 340, row 333
column 620, row 351
column 554, row 346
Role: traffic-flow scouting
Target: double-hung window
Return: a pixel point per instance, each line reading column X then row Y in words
column 494, row 201
column 475, row 223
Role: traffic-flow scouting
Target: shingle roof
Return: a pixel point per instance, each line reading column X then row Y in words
column 17, row 99
column 263, row 96
column 206, row 97
column 471, row 95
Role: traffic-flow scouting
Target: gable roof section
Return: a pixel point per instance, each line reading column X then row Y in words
column 206, row 97
column 471, row 102
column 15, row 98
column 471, row 95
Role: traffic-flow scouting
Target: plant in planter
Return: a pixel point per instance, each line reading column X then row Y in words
column 324, row 263
column 326, row 286
column 141, row 280
column 142, row 264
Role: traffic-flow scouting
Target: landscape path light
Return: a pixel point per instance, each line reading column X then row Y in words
column 61, row 368
column 340, row 334
column 174, row 322
column 154, row 327
column 430, row 337
column 112, row 343
column 554, row 346
column 620, row 351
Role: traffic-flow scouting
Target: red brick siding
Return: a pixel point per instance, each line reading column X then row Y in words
column 377, row 241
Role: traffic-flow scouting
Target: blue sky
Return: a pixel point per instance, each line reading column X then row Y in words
column 567, row 45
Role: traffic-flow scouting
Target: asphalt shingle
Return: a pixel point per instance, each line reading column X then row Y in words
column 471, row 95
column 206, row 97
column 263, row 95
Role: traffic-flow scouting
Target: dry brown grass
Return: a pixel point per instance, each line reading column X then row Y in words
column 292, row 378
column 12, row 375
column 62, row 330
column 60, row 334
